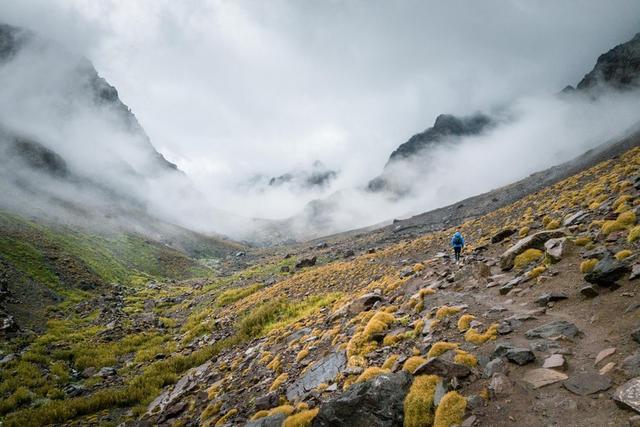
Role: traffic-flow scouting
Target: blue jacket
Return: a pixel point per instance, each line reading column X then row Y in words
column 457, row 241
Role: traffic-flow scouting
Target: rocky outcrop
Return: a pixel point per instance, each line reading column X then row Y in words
column 618, row 68
column 536, row 241
column 374, row 403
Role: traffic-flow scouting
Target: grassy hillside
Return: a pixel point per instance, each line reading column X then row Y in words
column 265, row 327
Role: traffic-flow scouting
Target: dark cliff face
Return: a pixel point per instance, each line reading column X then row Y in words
column 87, row 82
column 619, row 68
column 445, row 126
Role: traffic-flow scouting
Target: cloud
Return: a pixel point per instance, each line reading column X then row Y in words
column 232, row 89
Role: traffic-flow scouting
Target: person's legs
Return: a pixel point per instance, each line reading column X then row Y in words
column 457, row 253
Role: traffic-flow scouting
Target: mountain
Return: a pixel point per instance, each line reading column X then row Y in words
column 446, row 129
column 618, row 68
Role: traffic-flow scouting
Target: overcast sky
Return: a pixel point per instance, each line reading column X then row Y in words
column 227, row 89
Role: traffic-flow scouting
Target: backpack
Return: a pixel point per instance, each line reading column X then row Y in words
column 457, row 240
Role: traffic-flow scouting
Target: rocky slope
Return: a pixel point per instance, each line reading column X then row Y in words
column 362, row 332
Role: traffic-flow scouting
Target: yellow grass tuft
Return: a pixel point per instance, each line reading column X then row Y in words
column 412, row 363
column 588, row 265
column 477, row 338
column 464, row 322
column 418, row 404
column 446, row 311
column 440, row 348
column 527, row 257
column 450, row 410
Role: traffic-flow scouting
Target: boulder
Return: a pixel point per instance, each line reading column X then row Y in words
column 267, row 401
column 442, row 368
column 520, row 356
column 585, row 384
column 322, row 372
column 494, row 366
column 378, row 402
column 553, row 329
column 306, row 262
column 606, row 272
column 365, row 302
column 501, row 350
column 635, row 272
column 598, row 253
column 628, row 395
column 536, row 241
column 556, row 249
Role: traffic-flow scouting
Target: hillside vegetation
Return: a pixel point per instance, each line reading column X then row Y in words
column 419, row 338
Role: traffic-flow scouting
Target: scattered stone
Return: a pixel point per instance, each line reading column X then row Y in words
column 306, row 262
column 105, row 372
column 632, row 307
column 636, row 335
column 507, row 287
column 634, row 421
column 268, row 401
column 500, row 385
column 501, row 350
column 607, row 368
column 604, row 354
column 628, row 395
column 556, row 249
column 505, row 328
column 378, row 402
column 606, row 272
column 520, row 356
column 364, row 303
column 442, row 368
column 553, row 329
column 598, row 253
column 584, row 384
column 406, row 272
column 324, row 371
column 548, row 297
column 555, row 361
column 635, row 272
column 536, row 240
column 631, row 365
column 541, row 377
column 494, row 366
column 589, row 291
column 469, row 422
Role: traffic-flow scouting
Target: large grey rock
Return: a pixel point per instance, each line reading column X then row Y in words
column 607, row 271
column 324, row 371
column 501, row 350
column 187, row 383
column 267, row 401
column 552, row 329
column 574, row 219
column 587, row 383
column 520, row 356
column 364, row 303
column 502, row 234
column 557, row 249
column 374, row 403
column 631, row 365
column 628, row 395
column 272, row 421
column 442, row 368
column 536, row 241
column 548, row 297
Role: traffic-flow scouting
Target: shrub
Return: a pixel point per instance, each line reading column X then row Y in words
column 464, row 322
column 477, row 338
column 450, row 410
column 582, row 241
column 371, row 372
column 527, row 257
column 464, row 358
column 553, row 225
column 302, row 354
column 418, row 404
column 391, row 360
column 278, row 381
column 588, row 265
column 226, row 417
column 412, row 363
column 446, row 311
column 634, row 234
column 302, row 419
column 524, row 232
column 232, row 295
column 626, row 253
column 441, row 347
column 537, row 271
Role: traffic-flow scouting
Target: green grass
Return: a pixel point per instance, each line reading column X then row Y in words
column 232, row 295
column 280, row 313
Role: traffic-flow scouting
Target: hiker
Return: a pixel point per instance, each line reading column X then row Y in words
column 457, row 241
